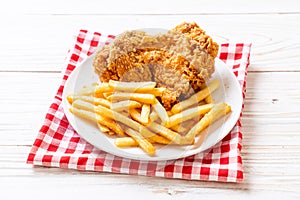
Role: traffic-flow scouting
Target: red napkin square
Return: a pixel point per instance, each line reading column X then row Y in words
column 58, row 145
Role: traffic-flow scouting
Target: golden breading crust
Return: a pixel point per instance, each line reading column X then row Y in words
column 193, row 31
column 173, row 60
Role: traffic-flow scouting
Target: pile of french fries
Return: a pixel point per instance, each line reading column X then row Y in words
column 132, row 113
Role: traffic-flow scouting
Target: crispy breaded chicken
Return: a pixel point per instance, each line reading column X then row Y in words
column 174, row 60
column 193, row 31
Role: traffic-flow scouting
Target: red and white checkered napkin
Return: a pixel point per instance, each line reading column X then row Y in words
column 58, row 145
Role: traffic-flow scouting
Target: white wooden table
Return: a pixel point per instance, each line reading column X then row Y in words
column 34, row 40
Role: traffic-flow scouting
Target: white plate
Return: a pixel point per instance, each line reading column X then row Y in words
column 229, row 92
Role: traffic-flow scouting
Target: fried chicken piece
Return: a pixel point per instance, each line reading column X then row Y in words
column 193, row 31
column 173, row 60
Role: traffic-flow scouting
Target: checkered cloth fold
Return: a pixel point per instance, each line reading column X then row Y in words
column 58, row 145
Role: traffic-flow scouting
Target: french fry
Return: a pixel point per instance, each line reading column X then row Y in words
column 161, row 111
column 70, row 98
column 157, row 91
column 145, row 112
column 85, row 114
column 94, row 100
column 201, row 103
column 97, row 118
column 167, row 133
column 102, row 128
column 169, row 113
column 213, row 115
column 202, row 94
column 187, row 114
column 131, row 123
column 178, row 128
column 153, row 116
column 111, row 132
column 125, row 142
column 132, row 86
column 107, row 94
column 143, row 98
column 102, row 88
column 126, row 104
column 87, row 91
column 183, row 127
column 143, row 143
column 136, row 115
column 84, row 105
column 209, row 98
